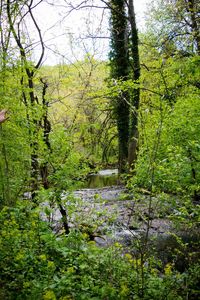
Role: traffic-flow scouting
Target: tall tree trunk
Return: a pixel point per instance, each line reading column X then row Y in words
column 29, row 95
column 120, row 71
column 4, row 168
column 133, row 127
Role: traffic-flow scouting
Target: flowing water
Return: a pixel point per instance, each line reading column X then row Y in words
column 103, row 196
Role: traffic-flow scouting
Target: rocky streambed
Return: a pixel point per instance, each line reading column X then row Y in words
column 129, row 217
column 109, row 214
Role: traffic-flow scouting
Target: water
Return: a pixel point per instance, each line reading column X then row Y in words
column 102, row 179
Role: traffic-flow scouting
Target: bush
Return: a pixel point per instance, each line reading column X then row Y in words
column 36, row 264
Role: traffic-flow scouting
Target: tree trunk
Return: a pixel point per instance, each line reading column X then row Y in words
column 120, row 71
column 29, row 95
column 133, row 127
column 64, row 218
column 194, row 25
column 44, row 172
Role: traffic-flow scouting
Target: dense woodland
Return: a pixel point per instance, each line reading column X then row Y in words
column 138, row 111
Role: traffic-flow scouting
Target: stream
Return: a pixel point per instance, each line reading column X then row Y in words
column 103, row 178
column 105, row 202
column 106, row 209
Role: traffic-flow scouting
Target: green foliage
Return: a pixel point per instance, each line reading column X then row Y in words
column 169, row 128
column 82, row 107
column 36, row 264
column 168, row 158
column 68, row 166
column 176, row 25
column 22, row 235
column 14, row 146
column 82, row 129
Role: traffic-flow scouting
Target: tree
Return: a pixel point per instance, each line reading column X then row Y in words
column 168, row 120
column 36, row 106
column 176, row 22
column 125, row 65
column 119, row 57
column 133, row 127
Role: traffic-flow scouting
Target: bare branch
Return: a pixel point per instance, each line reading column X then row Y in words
column 40, row 37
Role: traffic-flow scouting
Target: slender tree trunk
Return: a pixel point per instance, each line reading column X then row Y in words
column 194, row 25
column 63, row 214
column 64, row 219
column 133, row 127
column 29, row 95
column 46, row 131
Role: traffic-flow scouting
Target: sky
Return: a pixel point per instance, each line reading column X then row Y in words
column 69, row 37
